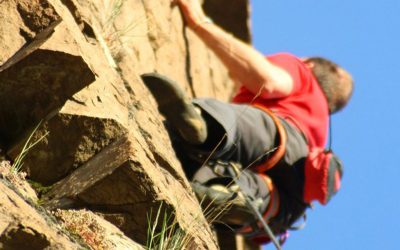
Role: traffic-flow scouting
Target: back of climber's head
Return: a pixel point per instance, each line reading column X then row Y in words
column 336, row 83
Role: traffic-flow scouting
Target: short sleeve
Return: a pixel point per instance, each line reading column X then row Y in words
column 291, row 64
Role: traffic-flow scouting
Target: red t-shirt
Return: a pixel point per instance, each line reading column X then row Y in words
column 306, row 107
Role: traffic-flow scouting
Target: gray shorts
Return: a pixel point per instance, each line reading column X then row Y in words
column 251, row 134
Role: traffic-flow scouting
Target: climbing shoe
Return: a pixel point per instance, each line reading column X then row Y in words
column 236, row 192
column 177, row 108
column 223, row 204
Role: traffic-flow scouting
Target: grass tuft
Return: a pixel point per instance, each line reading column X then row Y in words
column 19, row 160
column 164, row 232
column 168, row 235
column 114, row 35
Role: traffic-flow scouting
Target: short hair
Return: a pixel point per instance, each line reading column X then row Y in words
column 335, row 82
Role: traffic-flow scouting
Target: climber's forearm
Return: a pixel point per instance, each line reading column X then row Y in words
column 244, row 63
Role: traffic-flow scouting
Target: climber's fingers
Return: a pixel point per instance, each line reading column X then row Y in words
column 192, row 12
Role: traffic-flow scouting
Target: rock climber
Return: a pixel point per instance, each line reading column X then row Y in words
column 275, row 129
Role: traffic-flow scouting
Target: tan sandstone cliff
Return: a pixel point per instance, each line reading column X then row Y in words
column 105, row 156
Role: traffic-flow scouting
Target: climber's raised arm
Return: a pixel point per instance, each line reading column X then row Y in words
column 245, row 64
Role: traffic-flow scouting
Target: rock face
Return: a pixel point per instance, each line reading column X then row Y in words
column 233, row 16
column 25, row 26
column 75, row 66
column 22, row 227
column 96, row 232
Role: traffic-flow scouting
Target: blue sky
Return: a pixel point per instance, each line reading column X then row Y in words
column 364, row 37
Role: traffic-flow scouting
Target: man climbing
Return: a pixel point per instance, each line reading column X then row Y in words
column 274, row 129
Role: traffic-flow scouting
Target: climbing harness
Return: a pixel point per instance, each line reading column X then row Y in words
column 280, row 149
